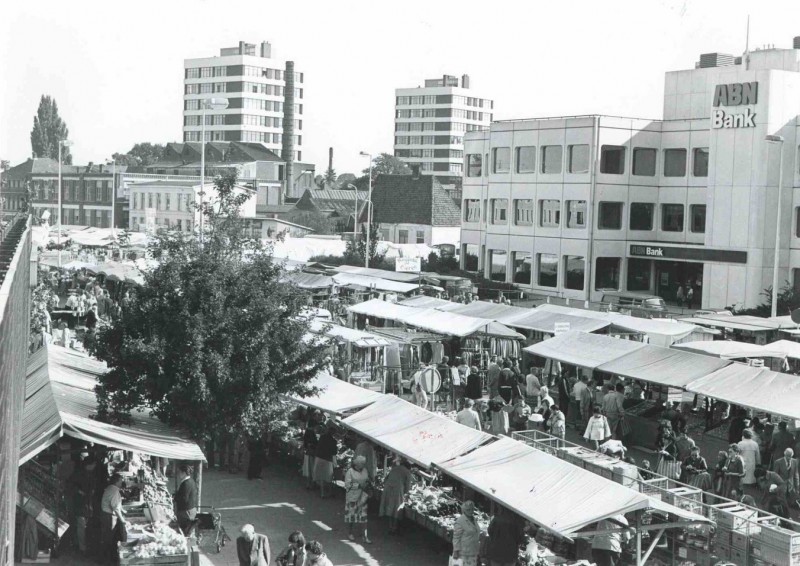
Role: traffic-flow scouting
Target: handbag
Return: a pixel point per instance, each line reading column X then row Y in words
column 669, row 468
column 455, row 562
column 625, row 426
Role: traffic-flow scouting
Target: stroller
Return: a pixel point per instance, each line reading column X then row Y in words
column 208, row 528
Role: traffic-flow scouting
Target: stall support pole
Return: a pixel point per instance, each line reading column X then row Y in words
column 639, row 539
column 199, row 482
column 385, row 465
column 643, row 559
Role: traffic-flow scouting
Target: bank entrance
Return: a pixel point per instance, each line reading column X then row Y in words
column 670, row 275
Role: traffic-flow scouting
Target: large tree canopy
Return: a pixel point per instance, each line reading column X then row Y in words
column 141, row 154
column 213, row 338
column 388, row 164
column 48, row 130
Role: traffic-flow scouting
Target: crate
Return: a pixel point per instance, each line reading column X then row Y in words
column 654, row 488
column 779, row 538
column 679, row 495
column 175, row 560
column 723, row 551
column 779, row 556
column 738, row 556
column 740, row 540
column 736, row 518
column 713, row 510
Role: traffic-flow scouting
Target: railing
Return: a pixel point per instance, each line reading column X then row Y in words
column 10, row 234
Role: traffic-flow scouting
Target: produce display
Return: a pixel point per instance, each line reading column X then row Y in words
column 154, row 540
column 155, row 492
column 442, row 509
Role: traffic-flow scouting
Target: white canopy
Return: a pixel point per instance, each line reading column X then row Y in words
column 664, row 366
column 457, row 325
column 350, row 279
column 419, row 435
column 731, row 349
column 757, row 388
column 425, row 302
column 344, row 334
column 545, row 321
column 739, row 322
column 789, row 348
column 544, row 489
column 582, row 349
column 337, row 396
column 382, row 309
column 484, row 309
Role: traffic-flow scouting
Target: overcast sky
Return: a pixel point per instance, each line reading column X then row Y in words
column 116, row 72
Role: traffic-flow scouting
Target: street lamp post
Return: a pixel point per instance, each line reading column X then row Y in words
column 113, row 163
column 355, row 215
column 206, row 104
column 61, row 143
column 369, row 207
column 778, row 140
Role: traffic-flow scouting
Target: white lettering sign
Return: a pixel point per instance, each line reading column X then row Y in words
column 408, row 264
column 722, row 119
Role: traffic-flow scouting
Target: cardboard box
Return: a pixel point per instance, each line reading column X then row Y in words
column 740, row 540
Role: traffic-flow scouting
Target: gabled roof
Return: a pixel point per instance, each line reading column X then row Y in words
column 338, row 202
column 414, row 200
column 48, row 166
column 177, row 154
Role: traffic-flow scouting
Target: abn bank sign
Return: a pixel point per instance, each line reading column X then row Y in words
column 732, row 96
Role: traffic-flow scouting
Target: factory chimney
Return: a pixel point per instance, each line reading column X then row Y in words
column 330, row 158
column 287, row 148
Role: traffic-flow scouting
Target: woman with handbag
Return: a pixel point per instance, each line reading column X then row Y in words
column 734, row 471
column 597, row 429
column 325, row 459
column 356, row 485
column 719, row 474
column 466, row 537
column 668, row 464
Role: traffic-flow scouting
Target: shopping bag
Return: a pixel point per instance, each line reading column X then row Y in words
column 455, row 562
column 669, row 468
column 626, row 427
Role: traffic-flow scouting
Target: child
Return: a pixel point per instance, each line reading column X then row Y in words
column 597, row 428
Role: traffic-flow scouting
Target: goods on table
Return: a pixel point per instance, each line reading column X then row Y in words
column 152, row 541
column 156, row 494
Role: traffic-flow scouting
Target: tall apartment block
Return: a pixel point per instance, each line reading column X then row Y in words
column 430, row 123
column 260, row 94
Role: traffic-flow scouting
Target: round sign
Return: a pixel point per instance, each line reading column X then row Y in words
column 796, row 316
column 430, row 380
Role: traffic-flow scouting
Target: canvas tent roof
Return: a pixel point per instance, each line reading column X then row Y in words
column 309, row 280
column 790, row 348
column 738, row 322
column 731, row 349
column 582, row 349
column 492, row 311
column 381, row 309
column 60, row 399
column 560, row 496
column 337, row 396
column 545, row 321
column 351, row 279
column 380, row 273
column 359, row 338
column 413, row 432
column 457, row 325
column 665, row 366
column 425, row 302
column 757, row 388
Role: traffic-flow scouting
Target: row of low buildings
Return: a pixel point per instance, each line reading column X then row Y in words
column 571, row 206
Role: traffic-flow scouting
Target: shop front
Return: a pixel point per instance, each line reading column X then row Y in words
column 670, row 271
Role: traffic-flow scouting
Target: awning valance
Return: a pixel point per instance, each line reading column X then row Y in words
column 413, row 432
column 60, row 399
column 789, row 348
column 582, row 349
column 337, row 396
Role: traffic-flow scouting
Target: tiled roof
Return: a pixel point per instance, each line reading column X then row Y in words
column 339, row 202
column 404, row 199
column 48, row 166
column 233, row 152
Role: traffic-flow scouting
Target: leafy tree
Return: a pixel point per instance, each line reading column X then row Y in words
column 213, row 338
column 345, row 179
column 355, row 251
column 387, row 164
column 788, row 300
column 140, row 155
column 330, row 177
column 48, row 130
column 318, row 222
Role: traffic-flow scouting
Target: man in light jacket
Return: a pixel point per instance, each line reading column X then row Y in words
column 468, row 416
column 252, row 548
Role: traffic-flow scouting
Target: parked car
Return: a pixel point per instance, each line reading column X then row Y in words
column 639, row 304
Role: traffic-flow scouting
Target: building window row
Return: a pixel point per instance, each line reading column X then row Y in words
column 205, row 88
column 159, row 201
column 544, row 273
column 73, row 190
column 443, row 99
column 674, row 161
column 428, row 140
column 206, row 72
column 238, row 71
column 642, row 217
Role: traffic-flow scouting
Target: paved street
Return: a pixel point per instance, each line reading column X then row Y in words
column 279, row 504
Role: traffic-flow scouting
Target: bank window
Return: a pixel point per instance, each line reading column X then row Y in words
column 672, row 217
column 523, row 212
column 607, row 271
column 474, row 164
column 639, row 274
column 526, row 159
column 674, row 162
column 486, row 169
column 644, row 161
column 499, row 210
column 470, row 255
column 698, row 218
column 472, row 210
column 549, row 213
column 402, row 236
column 578, row 158
column 609, row 216
column 576, row 214
column 574, row 272
column 700, row 162
column 522, row 268
column 497, row 265
column 612, row 159
column 501, row 160
column 548, row 270
column 552, row 156
column 642, row 214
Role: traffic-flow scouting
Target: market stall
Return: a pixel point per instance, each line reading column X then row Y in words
column 504, row 314
column 739, row 351
column 582, row 349
column 744, row 328
column 361, row 352
column 336, row 396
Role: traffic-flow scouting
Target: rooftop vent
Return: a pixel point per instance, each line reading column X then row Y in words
column 796, row 42
column 708, row 60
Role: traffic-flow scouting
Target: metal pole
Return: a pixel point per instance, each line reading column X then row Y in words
column 202, row 163
column 369, row 212
column 113, row 195
column 60, row 143
column 777, row 236
column 355, row 221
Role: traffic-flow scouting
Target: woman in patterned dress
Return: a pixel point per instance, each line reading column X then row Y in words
column 355, row 507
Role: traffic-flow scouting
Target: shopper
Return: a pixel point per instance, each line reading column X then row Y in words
column 466, row 536
column 310, row 441
column 607, row 547
column 420, row 397
column 775, row 504
column 787, row 469
column 367, row 450
column 111, row 514
column 474, row 388
column 468, row 416
column 324, row 459
column 719, row 473
column 395, row 488
column 186, row 499
column 532, row 386
column 597, row 429
column 492, row 376
column 356, row 485
column 520, row 415
column 781, row 440
column 613, row 409
column 505, row 537
column 558, row 422
column 574, row 409
column 679, row 295
column 684, row 446
column 734, row 471
column 252, row 548
column 315, row 555
column 294, row 554
column 751, row 454
column 499, row 410
column 693, row 467
column 765, row 479
column 255, row 449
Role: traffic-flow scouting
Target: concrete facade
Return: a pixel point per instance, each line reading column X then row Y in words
column 574, row 205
